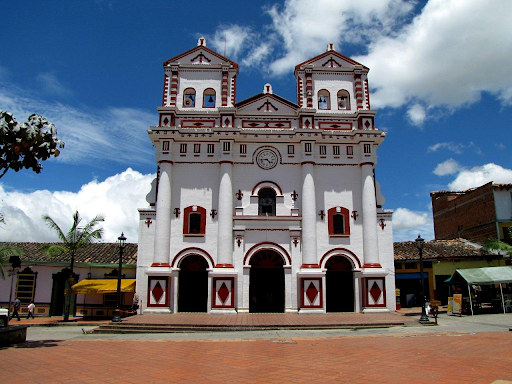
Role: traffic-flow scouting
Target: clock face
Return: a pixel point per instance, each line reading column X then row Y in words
column 266, row 159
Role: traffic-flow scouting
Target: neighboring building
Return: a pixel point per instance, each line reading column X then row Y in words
column 42, row 278
column 440, row 260
column 265, row 205
column 476, row 214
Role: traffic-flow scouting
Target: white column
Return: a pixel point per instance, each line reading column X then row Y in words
column 225, row 214
column 308, row 215
column 370, row 243
column 163, row 217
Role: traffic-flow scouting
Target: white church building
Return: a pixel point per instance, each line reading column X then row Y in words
column 265, row 205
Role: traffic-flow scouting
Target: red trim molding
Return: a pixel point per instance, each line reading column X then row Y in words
column 366, row 163
column 255, row 190
column 310, row 266
column 340, row 252
column 224, row 266
column 166, row 265
column 372, row 265
column 268, row 246
column 192, row 251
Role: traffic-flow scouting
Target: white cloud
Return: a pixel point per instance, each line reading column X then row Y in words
column 304, row 27
column 407, row 224
column 457, row 148
column 416, row 114
column 477, row 176
column 108, row 134
column 256, row 56
column 117, row 197
column 231, row 40
column 442, row 58
column 448, row 167
column 52, row 85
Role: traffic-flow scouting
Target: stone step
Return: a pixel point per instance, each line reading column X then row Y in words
column 167, row 328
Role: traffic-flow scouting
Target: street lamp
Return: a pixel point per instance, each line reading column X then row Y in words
column 117, row 316
column 420, row 243
column 15, row 264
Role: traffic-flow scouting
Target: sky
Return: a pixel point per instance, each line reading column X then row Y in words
column 440, row 77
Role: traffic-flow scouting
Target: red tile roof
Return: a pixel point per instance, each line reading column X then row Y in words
column 441, row 250
column 97, row 253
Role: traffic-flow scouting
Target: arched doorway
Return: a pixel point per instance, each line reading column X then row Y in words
column 266, row 285
column 193, row 284
column 339, row 285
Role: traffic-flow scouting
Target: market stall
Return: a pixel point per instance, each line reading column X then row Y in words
column 485, row 276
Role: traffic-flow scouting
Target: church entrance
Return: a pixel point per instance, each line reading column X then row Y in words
column 193, row 284
column 266, row 284
column 339, row 285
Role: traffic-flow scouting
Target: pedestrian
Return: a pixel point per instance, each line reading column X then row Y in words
column 31, row 308
column 135, row 305
column 15, row 308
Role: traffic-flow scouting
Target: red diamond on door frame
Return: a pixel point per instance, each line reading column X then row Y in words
column 157, row 292
column 375, row 292
column 223, row 293
column 311, row 292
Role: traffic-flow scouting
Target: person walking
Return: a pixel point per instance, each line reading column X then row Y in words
column 135, row 305
column 15, row 308
column 31, row 307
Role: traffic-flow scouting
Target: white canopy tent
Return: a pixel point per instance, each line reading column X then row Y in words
column 484, row 276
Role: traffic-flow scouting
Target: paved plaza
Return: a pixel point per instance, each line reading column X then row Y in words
column 460, row 350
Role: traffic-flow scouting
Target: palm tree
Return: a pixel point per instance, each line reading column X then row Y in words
column 77, row 237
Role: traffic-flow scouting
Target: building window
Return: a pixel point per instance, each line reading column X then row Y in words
column 367, row 148
column 398, row 265
column 323, row 150
column 324, row 99
column 197, row 148
column 209, row 98
column 307, row 147
column 243, row 149
column 189, row 98
column 194, row 220
column 410, row 266
column 336, row 150
column 338, row 221
column 165, row 146
column 343, row 100
column 267, row 202
column 226, row 146
column 210, row 148
column 26, row 285
column 291, row 149
column 350, row 150
column 183, row 148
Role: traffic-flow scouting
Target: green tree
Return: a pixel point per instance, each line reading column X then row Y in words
column 78, row 236
column 497, row 245
column 25, row 145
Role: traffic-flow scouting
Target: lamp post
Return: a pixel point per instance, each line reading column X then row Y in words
column 15, row 264
column 117, row 316
column 420, row 243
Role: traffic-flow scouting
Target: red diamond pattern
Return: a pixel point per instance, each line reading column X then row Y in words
column 158, row 292
column 223, row 293
column 375, row 292
column 311, row 292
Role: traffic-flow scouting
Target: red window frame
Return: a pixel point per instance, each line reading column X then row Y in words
column 186, row 215
column 330, row 221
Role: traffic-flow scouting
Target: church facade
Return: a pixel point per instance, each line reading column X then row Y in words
column 265, row 205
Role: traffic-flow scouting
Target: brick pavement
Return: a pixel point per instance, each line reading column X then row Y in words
column 439, row 357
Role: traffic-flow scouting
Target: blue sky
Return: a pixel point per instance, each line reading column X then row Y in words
column 439, row 76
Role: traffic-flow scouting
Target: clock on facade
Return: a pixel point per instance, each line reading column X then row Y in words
column 266, row 159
